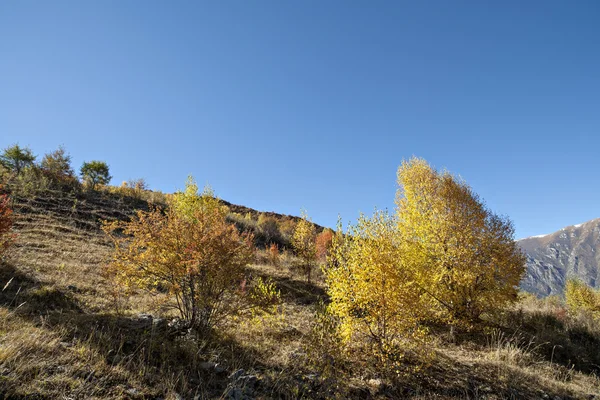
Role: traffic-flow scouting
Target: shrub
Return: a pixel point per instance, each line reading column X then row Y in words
column 323, row 244
column 29, row 182
column 287, row 228
column 303, row 243
column 6, row 221
column 273, row 255
column 581, row 298
column 57, row 167
column 133, row 188
column 373, row 292
column 191, row 252
column 269, row 229
column 95, row 173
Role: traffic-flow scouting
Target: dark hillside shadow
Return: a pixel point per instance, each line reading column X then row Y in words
column 547, row 336
column 570, row 345
column 296, row 291
column 27, row 295
column 141, row 345
column 451, row 378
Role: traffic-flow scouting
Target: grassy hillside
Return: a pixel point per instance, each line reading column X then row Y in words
column 66, row 331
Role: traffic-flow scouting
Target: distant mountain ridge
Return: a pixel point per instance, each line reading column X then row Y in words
column 572, row 252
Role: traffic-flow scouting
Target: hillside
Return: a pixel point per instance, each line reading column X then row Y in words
column 66, row 331
column 573, row 251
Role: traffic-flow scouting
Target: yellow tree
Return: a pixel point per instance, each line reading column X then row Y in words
column 372, row 291
column 582, row 298
column 191, row 252
column 303, row 242
column 460, row 253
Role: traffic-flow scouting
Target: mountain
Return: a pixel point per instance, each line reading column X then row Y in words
column 573, row 251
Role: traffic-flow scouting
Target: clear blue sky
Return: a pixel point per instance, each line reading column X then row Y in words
column 287, row 104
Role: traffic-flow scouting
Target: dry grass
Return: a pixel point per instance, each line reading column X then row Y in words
column 62, row 337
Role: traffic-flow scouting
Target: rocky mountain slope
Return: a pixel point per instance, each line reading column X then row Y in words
column 573, row 251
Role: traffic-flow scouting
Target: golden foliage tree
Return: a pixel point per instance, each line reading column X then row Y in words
column 372, row 291
column 582, row 298
column 303, row 242
column 460, row 253
column 191, row 252
column 443, row 255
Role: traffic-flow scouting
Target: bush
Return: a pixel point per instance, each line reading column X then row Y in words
column 273, row 255
column 56, row 166
column 373, row 292
column 191, row 252
column 269, row 229
column 287, row 228
column 581, row 298
column 323, row 244
column 6, row 221
column 30, row 182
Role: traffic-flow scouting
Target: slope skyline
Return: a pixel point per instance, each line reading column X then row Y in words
column 287, row 106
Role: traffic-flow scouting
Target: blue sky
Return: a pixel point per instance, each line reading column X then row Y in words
column 281, row 105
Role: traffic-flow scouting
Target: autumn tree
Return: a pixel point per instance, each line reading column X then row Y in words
column 323, row 244
column 442, row 256
column 194, row 254
column 582, row 298
column 57, row 166
column 16, row 158
column 462, row 255
column 303, row 242
column 6, row 221
column 95, row 173
column 273, row 255
column 372, row 290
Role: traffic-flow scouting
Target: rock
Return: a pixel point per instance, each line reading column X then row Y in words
column 248, row 381
column 219, row 369
column 241, row 387
column 234, row 394
column 207, row 365
column 236, row 374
